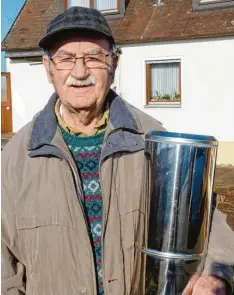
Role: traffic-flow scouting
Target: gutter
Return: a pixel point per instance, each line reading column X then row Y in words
column 22, row 54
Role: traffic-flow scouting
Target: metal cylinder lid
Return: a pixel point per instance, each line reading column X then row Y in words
column 181, row 138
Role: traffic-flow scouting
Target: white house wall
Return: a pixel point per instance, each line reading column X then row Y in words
column 207, row 84
column 30, row 90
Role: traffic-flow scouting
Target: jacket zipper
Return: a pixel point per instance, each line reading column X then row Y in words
column 102, row 239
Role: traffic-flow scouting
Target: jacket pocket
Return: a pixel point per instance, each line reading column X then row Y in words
column 38, row 220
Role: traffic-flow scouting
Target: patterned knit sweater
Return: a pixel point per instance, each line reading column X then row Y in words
column 86, row 152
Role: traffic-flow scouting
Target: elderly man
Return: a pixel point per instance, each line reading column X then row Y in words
column 73, row 199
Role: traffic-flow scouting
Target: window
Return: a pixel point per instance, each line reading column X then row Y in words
column 106, row 6
column 163, row 82
column 212, row 4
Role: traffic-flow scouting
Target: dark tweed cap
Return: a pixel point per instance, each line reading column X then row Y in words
column 76, row 19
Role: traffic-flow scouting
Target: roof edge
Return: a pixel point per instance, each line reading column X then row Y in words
column 194, row 37
column 16, row 18
column 24, row 53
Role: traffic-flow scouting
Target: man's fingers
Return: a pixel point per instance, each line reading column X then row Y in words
column 189, row 288
column 209, row 285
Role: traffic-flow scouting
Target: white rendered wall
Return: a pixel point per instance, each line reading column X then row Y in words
column 30, row 90
column 207, row 84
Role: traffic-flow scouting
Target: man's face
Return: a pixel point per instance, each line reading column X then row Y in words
column 85, row 85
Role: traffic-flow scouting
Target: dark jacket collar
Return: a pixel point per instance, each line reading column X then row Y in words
column 44, row 126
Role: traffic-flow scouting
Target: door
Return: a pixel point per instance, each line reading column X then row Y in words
column 6, row 107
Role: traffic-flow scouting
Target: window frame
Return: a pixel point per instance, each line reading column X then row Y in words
column 105, row 12
column 197, row 5
column 161, row 103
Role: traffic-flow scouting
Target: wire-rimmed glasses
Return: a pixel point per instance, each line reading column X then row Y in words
column 91, row 61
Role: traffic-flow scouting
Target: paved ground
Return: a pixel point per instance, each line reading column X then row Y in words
column 224, row 186
column 224, row 176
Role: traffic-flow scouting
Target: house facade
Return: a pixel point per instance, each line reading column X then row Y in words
column 177, row 62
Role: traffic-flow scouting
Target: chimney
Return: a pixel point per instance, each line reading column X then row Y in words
column 158, row 3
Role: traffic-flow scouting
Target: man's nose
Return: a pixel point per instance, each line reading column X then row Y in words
column 80, row 71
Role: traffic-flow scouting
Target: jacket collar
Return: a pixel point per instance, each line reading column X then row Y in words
column 44, row 125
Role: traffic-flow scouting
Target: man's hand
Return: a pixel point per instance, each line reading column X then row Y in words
column 205, row 285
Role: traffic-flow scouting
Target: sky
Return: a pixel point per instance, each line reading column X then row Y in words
column 9, row 11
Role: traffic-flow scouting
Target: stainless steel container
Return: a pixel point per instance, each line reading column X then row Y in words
column 182, row 173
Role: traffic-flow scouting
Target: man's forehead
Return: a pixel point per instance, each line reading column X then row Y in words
column 82, row 44
column 89, row 50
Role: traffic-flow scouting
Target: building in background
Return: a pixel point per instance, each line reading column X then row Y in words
column 9, row 11
column 177, row 62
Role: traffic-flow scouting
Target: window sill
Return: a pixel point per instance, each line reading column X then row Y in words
column 210, row 6
column 163, row 105
column 113, row 16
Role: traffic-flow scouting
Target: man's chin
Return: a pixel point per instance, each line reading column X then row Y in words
column 82, row 102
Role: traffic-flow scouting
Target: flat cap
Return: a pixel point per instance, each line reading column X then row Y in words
column 76, row 19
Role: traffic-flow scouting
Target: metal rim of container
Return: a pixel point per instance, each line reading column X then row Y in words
column 168, row 255
column 181, row 138
column 182, row 141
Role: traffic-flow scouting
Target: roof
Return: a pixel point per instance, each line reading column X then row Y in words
column 142, row 22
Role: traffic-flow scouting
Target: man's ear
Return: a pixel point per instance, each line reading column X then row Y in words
column 115, row 62
column 46, row 63
column 114, row 67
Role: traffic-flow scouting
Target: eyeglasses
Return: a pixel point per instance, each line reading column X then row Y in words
column 91, row 61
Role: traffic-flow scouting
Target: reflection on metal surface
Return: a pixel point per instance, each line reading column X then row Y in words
column 182, row 174
column 171, row 255
column 168, row 277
